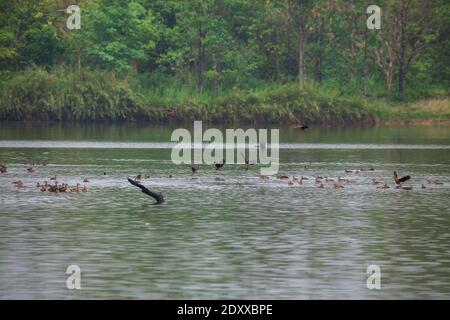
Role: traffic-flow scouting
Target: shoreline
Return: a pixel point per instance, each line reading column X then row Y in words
column 376, row 123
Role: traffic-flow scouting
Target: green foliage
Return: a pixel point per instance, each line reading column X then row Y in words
column 218, row 59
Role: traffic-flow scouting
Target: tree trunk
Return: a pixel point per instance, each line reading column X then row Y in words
column 290, row 65
column 366, row 64
column 218, row 74
column 401, row 64
column 200, row 64
column 319, row 55
column 301, row 54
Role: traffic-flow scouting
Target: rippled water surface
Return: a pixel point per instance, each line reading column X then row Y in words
column 224, row 234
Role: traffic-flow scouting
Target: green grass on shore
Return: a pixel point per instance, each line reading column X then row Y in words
column 62, row 95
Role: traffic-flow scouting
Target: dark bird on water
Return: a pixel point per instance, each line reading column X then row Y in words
column 248, row 162
column 301, row 126
column 155, row 195
column 400, row 180
column 218, row 166
column 194, row 169
column 171, row 113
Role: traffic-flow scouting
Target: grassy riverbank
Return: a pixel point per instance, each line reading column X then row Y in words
column 62, row 95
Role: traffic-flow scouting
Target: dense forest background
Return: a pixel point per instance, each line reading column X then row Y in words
column 272, row 60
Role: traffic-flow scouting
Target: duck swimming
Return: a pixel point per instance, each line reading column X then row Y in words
column 218, row 166
column 76, row 189
column 18, row 183
column 301, row 126
column 194, row 169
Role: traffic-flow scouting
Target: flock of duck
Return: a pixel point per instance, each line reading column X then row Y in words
column 319, row 181
column 46, row 186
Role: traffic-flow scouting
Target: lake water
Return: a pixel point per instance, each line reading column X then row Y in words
column 224, row 234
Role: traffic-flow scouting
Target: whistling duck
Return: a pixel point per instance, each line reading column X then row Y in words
column 218, row 166
column 18, row 183
column 264, row 177
column 423, row 186
column 435, row 182
column 147, row 176
column 155, row 195
column 248, row 162
column 53, row 188
column 2, row 168
column 329, row 179
column 194, row 169
column 85, row 189
column 321, row 186
column 43, row 188
column 401, row 180
column 63, row 188
column 30, row 168
column 171, row 113
column 76, row 189
column 301, row 126
column 282, row 177
column 376, row 182
column 304, row 178
column 338, row 186
column 290, row 183
column 54, row 177
column 86, row 180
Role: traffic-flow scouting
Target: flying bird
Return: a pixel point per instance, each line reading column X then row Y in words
column 155, row 195
column 401, row 180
